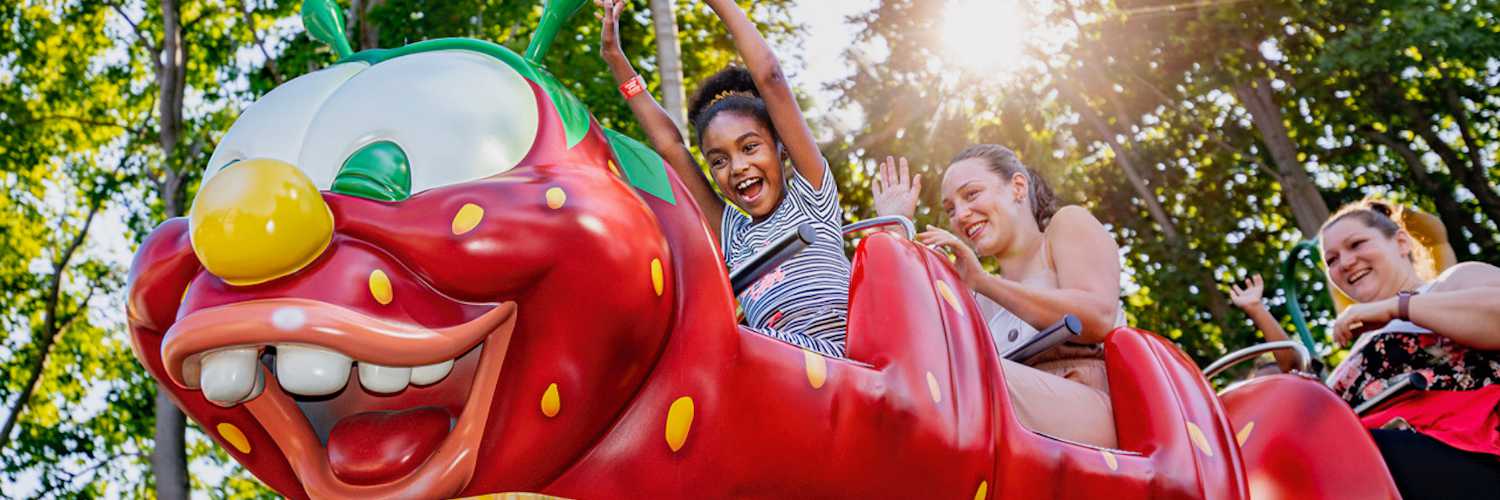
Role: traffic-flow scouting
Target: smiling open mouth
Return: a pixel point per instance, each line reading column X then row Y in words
column 350, row 432
column 749, row 189
column 973, row 230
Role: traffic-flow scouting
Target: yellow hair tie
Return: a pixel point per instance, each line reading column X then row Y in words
column 727, row 94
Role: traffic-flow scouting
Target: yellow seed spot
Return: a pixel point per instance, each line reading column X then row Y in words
column 551, row 403
column 380, row 287
column 233, row 436
column 613, row 169
column 947, row 293
column 1244, row 434
column 1196, row 435
column 513, row 495
column 520, row 495
column 556, row 197
column 467, row 218
column 679, row 420
column 983, row 491
column 932, row 387
column 1109, row 459
column 817, row 368
column 658, row 281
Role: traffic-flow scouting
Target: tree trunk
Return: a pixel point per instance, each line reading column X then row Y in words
column 1454, row 216
column 1207, row 286
column 169, row 457
column 1308, row 208
column 364, row 32
column 1476, row 182
column 669, row 62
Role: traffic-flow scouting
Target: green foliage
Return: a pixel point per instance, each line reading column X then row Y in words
column 1162, row 82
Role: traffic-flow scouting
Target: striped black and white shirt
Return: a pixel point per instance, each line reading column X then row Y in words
column 805, row 301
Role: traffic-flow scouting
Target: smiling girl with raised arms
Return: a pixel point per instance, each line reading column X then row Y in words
column 748, row 126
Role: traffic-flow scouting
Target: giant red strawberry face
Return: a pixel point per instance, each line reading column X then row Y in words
column 371, row 294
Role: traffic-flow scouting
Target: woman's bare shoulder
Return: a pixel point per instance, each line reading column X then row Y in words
column 1074, row 221
column 1467, row 275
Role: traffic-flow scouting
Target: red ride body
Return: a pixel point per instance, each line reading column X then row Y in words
column 919, row 410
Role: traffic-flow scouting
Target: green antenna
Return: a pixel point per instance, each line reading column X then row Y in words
column 554, row 16
column 325, row 22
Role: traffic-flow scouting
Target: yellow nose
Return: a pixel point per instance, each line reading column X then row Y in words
column 258, row 220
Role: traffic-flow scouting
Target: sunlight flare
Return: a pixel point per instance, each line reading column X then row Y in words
column 985, row 36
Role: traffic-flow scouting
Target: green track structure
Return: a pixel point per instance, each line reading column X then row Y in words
column 1289, row 285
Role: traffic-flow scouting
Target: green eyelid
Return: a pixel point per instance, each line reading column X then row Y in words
column 378, row 171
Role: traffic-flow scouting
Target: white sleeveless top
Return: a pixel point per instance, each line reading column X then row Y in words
column 1009, row 330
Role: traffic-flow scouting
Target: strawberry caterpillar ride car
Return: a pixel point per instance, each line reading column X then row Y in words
column 427, row 272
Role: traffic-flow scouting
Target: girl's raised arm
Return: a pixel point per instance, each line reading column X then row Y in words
column 786, row 115
column 660, row 130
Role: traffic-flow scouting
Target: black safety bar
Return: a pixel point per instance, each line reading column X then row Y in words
column 1065, row 329
column 778, row 252
column 1411, row 382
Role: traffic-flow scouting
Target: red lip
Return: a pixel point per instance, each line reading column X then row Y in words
column 448, row 468
column 356, row 335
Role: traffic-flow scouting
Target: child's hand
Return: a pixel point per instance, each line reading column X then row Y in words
column 1249, row 296
column 609, row 38
column 896, row 193
column 966, row 263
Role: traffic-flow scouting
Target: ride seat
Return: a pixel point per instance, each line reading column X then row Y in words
column 1299, row 440
column 911, row 317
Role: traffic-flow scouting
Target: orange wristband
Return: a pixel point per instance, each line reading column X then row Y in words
column 633, row 87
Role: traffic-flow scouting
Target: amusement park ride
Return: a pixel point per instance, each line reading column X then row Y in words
column 427, row 272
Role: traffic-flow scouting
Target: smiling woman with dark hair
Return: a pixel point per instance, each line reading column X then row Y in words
column 1443, row 442
column 1053, row 261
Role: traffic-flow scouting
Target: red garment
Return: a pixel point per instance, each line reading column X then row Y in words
column 1467, row 420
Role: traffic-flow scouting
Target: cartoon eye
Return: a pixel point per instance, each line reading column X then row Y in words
column 447, row 117
column 275, row 126
column 378, row 171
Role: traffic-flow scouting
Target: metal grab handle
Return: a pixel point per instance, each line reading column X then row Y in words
column 778, row 252
column 1063, row 330
column 1411, row 382
column 1303, row 362
column 883, row 221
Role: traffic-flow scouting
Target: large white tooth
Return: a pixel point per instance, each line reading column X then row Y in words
column 260, row 383
column 383, row 379
column 430, row 374
column 192, row 371
column 228, row 376
column 260, row 386
column 311, row 371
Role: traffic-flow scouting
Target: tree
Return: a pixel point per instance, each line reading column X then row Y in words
column 1209, row 137
column 669, row 59
column 70, row 127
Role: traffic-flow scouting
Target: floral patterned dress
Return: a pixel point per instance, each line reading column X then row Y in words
column 1388, row 355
